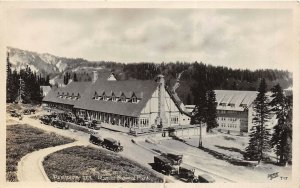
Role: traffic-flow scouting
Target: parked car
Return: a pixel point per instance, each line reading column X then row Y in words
column 96, row 139
column 70, row 118
column 175, row 158
column 26, row 112
column 59, row 124
column 14, row 113
column 205, row 178
column 32, row 110
column 164, row 165
column 81, row 121
column 112, row 144
column 93, row 125
column 187, row 173
column 45, row 119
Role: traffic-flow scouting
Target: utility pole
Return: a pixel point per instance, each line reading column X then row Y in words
column 21, row 87
column 200, row 136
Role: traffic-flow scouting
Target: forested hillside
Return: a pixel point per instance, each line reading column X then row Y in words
column 216, row 77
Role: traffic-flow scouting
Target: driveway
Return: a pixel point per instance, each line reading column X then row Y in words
column 131, row 150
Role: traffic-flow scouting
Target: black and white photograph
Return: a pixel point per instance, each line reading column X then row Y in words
column 150, row 95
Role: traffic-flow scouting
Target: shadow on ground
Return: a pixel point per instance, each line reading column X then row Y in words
column 230, row 149
column 222, row 156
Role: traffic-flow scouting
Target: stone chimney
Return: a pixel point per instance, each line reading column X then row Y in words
column 161, row 116
column 95, row 76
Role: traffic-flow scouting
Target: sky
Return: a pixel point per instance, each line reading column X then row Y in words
column 236, row 38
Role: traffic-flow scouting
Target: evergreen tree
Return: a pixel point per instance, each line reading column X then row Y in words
column 9, row 81
column 75, row 77
column 234, row 86
column 188, row 100
column 259, row 136
column 282, row 134
column 47, row 81
column 211, row 111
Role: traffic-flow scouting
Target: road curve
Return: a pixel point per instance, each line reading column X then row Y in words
column 30, row 167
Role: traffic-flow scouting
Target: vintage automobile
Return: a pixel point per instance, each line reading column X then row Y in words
column 70, row 118
column 32, row 110
column 81, row 121
column 175, row 158
column 14, row 113
column 205, row 178
column 187, row 173
column 46, row 119
column 59, row 124
column 164, row 165
column 96, row 139
column 26, row 112
column 93, row 125
column 112, row 144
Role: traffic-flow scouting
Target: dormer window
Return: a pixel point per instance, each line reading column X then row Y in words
column 114, row 98
column 123, row 98
column 105, row 98
column 96, row 97
column 77, row 97
column 134, row 100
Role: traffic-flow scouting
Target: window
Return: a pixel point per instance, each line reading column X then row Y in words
column 144, row 122
column 134, row 100
column 174, row 119
column 105, row 98
column 123, row 98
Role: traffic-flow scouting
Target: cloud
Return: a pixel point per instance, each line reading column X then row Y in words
column 238, row 38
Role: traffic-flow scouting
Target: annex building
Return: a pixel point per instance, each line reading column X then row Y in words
column 235, row 111
column 138, row 104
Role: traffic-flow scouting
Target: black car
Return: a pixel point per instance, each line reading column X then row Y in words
column 164, row 165
column 96, row 139
column 93, row 125
column 46, row 119
column 187, row 173
column 26, row 112
column 205, row 178
column 14, row 113
column 32, row 110
column 59, row 124
column 112, row 144
column 81, row 121
column 175, row 158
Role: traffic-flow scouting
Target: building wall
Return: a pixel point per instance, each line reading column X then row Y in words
column 150, row 111
column 230, row 120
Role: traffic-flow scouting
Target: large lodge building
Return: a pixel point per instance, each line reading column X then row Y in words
column 142, row 104
column 136, row 104
column 235, row 111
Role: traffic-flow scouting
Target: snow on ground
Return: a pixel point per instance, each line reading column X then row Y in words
column 208, row 162
column 227, row 144
column 86, row 68
column 61, row 67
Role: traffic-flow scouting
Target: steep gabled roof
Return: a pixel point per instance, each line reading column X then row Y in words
column 72, row 88
column 147, row 87
column 238, row 99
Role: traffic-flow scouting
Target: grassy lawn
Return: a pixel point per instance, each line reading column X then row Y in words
column 23, row 139
column 86, row 164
